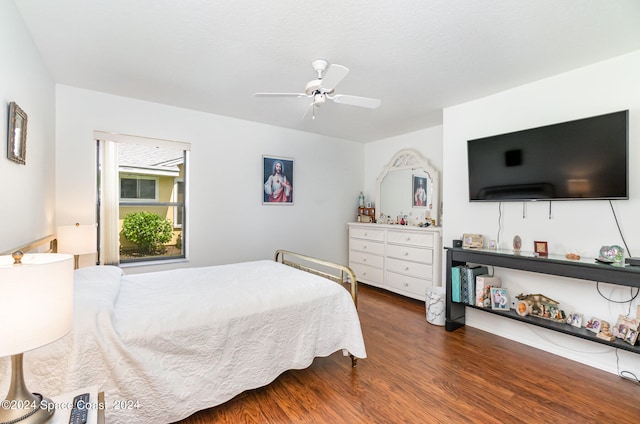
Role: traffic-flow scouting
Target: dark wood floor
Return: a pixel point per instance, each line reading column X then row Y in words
column 418, row 373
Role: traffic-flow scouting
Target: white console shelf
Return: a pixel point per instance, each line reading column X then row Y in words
column 399, row 258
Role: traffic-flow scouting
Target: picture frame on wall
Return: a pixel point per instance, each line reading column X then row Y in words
column 277, row 181
column 17, row 134
column 419, row 192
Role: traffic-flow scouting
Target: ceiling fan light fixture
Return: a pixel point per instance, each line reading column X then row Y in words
column 319, row 99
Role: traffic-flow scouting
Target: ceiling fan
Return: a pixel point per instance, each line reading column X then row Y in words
column 323, row 87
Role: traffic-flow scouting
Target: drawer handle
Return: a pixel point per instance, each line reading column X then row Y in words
column 406, row 268
column 408, row 238
column 364, row 273
column 364, row 259
column 364, row 247
column 366, row 234
column 406, row 253
column 406, row 284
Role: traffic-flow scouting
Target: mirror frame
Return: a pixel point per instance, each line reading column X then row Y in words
column 411, row 159
column 17, row 144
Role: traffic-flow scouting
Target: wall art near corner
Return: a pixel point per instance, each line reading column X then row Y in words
column 277, row 181
column 419, row 191
column 17, row 136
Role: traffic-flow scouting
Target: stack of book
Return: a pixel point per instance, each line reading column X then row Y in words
column 463, row 282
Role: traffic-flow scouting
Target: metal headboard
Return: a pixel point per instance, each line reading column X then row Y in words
column 50, row 240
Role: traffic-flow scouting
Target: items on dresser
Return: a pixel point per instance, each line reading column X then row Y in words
column 370, row 213
column 402, row 259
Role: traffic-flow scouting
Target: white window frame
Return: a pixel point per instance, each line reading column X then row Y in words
column 174, row 198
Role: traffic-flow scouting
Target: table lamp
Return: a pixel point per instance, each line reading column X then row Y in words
column 36, row 308
column 77, row 240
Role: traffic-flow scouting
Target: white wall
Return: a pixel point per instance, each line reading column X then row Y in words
column 228, row 222
column 604, row 87
column 27, row 192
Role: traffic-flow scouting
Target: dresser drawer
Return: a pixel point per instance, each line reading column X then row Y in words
column 374, row 247
column 414, row 238
column 413, row 269
column 365, row 258
column 416, row 286
column 366, row 273
column 409, row 253
column 367, row 233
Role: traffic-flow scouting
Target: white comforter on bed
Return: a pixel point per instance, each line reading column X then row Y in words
column 163, row 345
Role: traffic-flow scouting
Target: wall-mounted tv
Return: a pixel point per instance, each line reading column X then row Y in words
column 582, row 159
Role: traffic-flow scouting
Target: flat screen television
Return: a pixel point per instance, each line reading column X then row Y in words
column 584, row 159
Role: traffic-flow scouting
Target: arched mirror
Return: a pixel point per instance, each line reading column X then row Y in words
column 409, row 185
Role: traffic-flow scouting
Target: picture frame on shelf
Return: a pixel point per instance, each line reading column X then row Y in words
column 593, row 325
column 472, row 241
column 277, row 180
column 624, row 325
column 541, row 248
column 17, row 135
column 631, row 337
column 517, row 243
column 575, row 319
column 500, row 299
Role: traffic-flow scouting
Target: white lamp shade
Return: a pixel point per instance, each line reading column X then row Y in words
column 36, row 301
column 77, row 239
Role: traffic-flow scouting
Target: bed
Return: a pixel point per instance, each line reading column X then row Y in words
column 170, row 343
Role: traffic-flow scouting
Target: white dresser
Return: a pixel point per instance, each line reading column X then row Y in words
column 398, row 258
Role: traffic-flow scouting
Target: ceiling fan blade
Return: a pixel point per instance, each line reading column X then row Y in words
column 356, row 101
column 333, row 75
column 280, row 95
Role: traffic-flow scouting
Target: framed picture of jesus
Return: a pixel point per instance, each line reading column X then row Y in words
column 277, row 181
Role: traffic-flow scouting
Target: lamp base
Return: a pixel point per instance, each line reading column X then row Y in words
column 21, row 406
column 37, row 411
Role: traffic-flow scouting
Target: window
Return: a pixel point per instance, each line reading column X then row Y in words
column 142, row 206
column 138, row 187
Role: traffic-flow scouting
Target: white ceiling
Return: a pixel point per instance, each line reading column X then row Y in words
column 417, row 56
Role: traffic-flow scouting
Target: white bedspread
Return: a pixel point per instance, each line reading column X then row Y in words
column 163, row 345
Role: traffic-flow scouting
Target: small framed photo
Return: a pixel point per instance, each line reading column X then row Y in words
column 499, row 299
column 17, row 135
column 473, row 241
column 540, row 247
column 631, row 337
column 624, row 325
column 419, row 192
column 593, row 325
column 575, row 320
column 277, row 181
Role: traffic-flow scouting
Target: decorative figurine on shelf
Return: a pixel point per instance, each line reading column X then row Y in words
column 541, row 306
column 517, row 244
column 361, row 200
column 605, row 331
column 611, row 254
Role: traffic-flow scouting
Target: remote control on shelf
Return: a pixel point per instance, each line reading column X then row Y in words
column 79, row 414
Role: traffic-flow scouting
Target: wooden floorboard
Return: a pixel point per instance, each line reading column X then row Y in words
column 416, row 372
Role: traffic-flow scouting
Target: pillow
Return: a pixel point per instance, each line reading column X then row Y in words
column 97, row 284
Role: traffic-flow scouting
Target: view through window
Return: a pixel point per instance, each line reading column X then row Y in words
column 151, row 207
